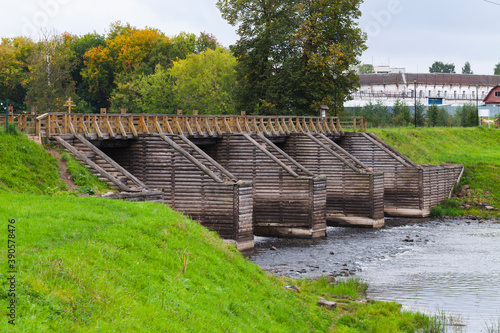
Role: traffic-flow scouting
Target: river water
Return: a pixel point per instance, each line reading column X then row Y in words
column 433, row 266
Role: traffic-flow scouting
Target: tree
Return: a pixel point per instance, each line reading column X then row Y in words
column 466, row 69
column 50, row 83
column 79, row 46
column 438, row 116
column 205, row 81
column 377, row 115
column 128, row 53
column 466, row 115
column 366, row 69
column 156, row 92
column 497, row 69
column 401, row 114
column 294, row 56
column 419, row 113
column 440, row 67
column 14, row 54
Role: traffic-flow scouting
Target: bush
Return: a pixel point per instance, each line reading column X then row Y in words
column 11, row 129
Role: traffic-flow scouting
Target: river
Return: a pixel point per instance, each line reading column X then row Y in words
column 433, row 266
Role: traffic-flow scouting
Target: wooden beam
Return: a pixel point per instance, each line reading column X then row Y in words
column 120, row 127
column 285, row 155
column 131, row 126
column 91, row 164
column 328, row 149
column 110, row 130
column 115, row 165
column 191, row 158
column 271, row 156
column 358, row 163
column 142, row 124
column 207, row 157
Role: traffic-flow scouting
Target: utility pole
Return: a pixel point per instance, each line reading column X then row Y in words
column 415, row 95
column 477, row 104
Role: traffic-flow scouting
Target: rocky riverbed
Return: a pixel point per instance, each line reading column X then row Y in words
column 432, row 265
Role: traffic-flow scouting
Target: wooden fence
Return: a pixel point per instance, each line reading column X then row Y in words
column 106, row 126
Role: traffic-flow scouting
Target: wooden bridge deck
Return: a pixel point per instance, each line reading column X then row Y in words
column 109, row 126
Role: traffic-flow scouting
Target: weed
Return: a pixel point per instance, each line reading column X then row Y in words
column 11, row 129
column 492, row 326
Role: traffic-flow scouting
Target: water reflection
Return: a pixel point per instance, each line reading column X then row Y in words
column 451, row 266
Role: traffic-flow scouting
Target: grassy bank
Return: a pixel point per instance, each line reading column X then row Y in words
column 98, row 265
column 26, row 168
column 478, row 149
column 91, row 264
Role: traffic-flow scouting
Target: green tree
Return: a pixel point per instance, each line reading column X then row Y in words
column 438, row 116
column 419, row 113
column 497, row 69
column 14, row 54
column 50, row 83
column 440, row 67
column 366, row 69
column 156, row 91
column 127, row 93
column 377, row 115
column 466, row 115
column 466, row 69
column 205, row 82
column 293, row 56
column 96, row 99
column 401, row 114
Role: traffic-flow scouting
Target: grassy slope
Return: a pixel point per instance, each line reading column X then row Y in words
column 25, row 168
column 478, row 149
column 91, row 264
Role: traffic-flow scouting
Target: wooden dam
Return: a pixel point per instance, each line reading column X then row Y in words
column 251, row 175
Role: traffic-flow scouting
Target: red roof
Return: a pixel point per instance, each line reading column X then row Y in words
column 430, row 79
column 491, row 98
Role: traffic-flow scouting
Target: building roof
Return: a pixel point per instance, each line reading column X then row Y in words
column 430, row 79
column 491, row 98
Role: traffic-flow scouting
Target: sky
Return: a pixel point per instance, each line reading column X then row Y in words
column 411, row 34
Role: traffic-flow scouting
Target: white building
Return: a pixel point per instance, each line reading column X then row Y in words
column 388, row 70
column 443, row 89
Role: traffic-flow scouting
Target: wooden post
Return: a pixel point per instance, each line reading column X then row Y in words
column 123, row 111
column 103, row 111
column 354, row 125
column 179, row 112
column 195, row 112
column 243, row 113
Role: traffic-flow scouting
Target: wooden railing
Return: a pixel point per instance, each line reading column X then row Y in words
column 24, row 122
column 125, row 125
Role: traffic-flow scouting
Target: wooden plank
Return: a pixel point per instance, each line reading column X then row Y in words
column 93, row 165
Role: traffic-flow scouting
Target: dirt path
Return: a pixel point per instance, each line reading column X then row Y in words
column 65, row 177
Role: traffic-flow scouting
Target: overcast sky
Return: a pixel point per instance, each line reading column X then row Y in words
column 401, row 33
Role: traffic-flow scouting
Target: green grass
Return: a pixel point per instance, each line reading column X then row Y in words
column 478, row 149
column 91, row 264
column 25, row 167
column 82, row 177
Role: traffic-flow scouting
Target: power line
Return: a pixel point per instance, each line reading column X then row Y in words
column 495, row 3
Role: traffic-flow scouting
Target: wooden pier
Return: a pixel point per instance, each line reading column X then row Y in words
column 244, row 175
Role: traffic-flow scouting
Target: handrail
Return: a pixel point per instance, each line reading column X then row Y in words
column 99, row 126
